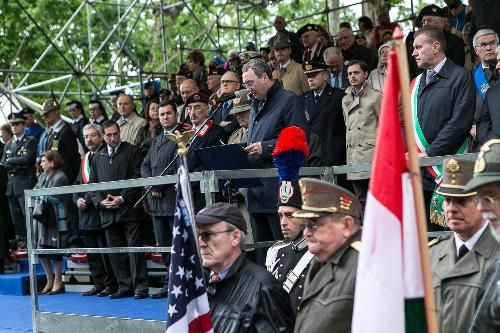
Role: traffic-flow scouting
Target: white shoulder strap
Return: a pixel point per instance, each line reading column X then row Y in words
column 295, row 273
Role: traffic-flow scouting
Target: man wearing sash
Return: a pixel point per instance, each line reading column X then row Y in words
column 442, row 104
column 485, row 42
column 90, row 222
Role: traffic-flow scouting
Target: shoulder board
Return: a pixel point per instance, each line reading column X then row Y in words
column 434, row 241
column 356, row 245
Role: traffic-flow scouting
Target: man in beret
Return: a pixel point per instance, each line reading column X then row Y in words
column 459, row 261
column 209, row 135
column 33, row 128
column 241, row 294
column 332, row 220
column 486, row 182
column 289, row 72
column 18, row 159
column 309, row 36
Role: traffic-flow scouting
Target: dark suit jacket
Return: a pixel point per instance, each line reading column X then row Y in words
column 356, row 52
column 488, row 126
column 326, row 120
column 455, row 50
column 445, row 112
column 345, row 79
column 78, row 130
column 19, row 162
column 126, row 164
column 67, row 147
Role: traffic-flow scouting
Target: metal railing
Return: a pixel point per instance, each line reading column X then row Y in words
column 209, row 184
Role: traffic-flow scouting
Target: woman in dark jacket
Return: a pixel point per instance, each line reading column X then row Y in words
column 52, row 232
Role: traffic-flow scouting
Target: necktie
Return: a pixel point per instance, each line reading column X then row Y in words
column 429, row 75
column 307, row 55
column 336, row 83
column 50, row 137
column 462, row 251
column 122, row 121
column 112, row 153
column 488, row 74
column 316, row 97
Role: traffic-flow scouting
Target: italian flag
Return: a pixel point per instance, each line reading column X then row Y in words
column 389, row 293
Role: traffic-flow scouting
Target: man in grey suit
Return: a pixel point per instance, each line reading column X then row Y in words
column 19, row 161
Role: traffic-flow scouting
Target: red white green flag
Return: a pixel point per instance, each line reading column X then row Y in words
column 389, row 293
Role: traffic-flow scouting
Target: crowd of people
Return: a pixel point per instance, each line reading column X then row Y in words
column 328, row 86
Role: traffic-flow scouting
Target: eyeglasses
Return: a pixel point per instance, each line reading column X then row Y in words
column 485, row 200
column 248, row 84
column 228, row 81
column 207, row 235
column 485, row 45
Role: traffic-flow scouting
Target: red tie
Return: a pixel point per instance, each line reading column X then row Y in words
column 307, row 55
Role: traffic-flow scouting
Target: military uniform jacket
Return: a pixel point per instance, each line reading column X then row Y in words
column 19, row 162
column 161, row 152
column 328, row 297
column 326, row 120
column 125, row 164
column 361, row 119
column 281, row 109
column 445, row 112
column 286, row 260
column 293, row 78
column 64, row 141
column 457, row 285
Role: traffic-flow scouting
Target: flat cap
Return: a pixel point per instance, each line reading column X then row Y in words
column 456, row 174
column 222, row 211
column 487, row 166
column 320, row 198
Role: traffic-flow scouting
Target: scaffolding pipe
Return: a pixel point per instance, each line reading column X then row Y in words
column 108, row 37
column 89, row 36
column 163, row 37
column 42, row 83
column 199, row 23
column 49, row 47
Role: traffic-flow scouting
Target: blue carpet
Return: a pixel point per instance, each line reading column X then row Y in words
column 15, row 311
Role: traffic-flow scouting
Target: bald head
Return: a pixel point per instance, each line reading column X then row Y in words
column 346, row 38
column 188, row 88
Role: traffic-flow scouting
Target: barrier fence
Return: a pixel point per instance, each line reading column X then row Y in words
column 48, row 322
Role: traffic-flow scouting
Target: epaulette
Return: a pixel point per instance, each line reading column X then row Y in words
column 356, row 245
column 434, row 241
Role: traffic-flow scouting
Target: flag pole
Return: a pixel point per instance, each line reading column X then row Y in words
column 430, row 304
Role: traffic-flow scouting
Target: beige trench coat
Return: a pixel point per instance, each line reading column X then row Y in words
column 361, row 119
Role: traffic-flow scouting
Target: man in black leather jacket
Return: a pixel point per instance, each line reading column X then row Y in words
column 243, row 296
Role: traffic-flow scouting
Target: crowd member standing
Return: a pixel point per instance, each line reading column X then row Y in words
column 241, row 111
column 33, row 128
column 213, row 82
column 488, row 126
column 443, row 119
column 323, row 106
column 361, row 108
column 18, row 159
column 243, row 296
column 230, row 83
column 90, row 222
column 59, row 136
column 289, row 72
column 309, row 36
column 97, row 112
column 196, row 65
column 332, row 219
column 377, row 76
column 459, row 261
column 79, row 120
column 120, row 160
column 385, row 25
column 187, row 89
column 280, row 26
column 350, row 49
column 337, row 71
column 161, row 199
column 273, row 109
column 132, row 127
column 485, row 15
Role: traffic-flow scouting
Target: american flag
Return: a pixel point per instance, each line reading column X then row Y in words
column 188, row 309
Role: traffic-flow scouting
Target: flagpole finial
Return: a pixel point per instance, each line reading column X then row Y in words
column 182, row 140
column 397, row 34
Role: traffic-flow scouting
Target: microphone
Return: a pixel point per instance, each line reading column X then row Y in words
column 224, row 98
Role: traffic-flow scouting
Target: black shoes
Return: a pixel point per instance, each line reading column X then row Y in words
column 163, row 293
column 106, row 292
column 141, row 295
column 92, row 292
column 121, row 294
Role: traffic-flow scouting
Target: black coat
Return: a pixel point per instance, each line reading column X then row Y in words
column 356, row 52
column 282, row 109
column 485, row 14
column 126, row 164
column 445, row 112
column 88, row 218
column 488, row 126
column 78, row 130
column 65, row 143
column 19, row 163
column 249, row 299
column 161, row 152
column 455, row 50
column 327, row 120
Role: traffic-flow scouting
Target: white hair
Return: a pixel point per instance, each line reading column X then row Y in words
column 481, row 33
column 332, row 50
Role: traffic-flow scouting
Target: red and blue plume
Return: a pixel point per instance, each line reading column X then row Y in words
column 290, row 153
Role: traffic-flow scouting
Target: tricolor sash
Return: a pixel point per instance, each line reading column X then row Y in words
column 422, row 144
column 482, row 84
column 85, row 168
